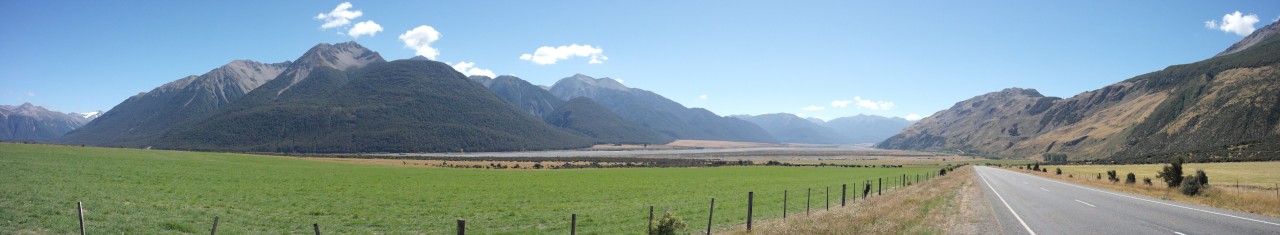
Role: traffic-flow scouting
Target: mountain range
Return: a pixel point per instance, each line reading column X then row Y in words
column 652, row 111
column 28, row 122
column 859, row 129
column 1225, row 108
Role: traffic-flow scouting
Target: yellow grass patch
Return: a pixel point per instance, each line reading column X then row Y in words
column 1257, row 195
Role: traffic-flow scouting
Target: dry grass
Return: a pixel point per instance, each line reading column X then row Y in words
column 718, row 144
column 1255, row 198
column 926, row 208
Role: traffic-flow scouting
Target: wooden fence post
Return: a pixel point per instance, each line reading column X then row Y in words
column 316, row 226
column 784, row 204
column 650, row 220
column 214, row 230
column 828, row 200
column 462, row 227
column 711, row 213
column 573, row 224
column 750, row 200
column 843, row 189
column 808, row 196
column 878, row 192
column 80, row 212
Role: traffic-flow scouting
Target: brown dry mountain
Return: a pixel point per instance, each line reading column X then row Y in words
column 1226, row 108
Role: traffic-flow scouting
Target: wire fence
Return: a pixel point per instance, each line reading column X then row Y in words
column 718, row 211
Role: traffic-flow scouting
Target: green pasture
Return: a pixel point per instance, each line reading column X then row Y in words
column 130, row 191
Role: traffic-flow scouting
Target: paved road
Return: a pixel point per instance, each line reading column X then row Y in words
column 1026, row 204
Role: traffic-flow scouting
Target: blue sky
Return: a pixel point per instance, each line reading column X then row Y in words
column 731, row 57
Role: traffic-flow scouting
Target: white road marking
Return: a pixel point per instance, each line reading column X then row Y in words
column 1006, row 204
column 1046, row 190
column 1178, row 233
column 1086, row 203
column 1162, row 203
column 1024, row 182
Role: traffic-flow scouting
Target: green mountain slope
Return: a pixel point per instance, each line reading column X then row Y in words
column 588, row 118
column 399, row 106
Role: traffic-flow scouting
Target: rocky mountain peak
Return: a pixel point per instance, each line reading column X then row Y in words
column 1253, row 39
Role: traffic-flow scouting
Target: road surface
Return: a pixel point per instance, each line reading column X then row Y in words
column 1026, row 204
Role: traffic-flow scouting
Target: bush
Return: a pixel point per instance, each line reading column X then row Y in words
column 942, row 171
column 669, row 225
column 1099, row 176
column 1172, row 174
column 1045, row 170
column 1200, row 176
column 1131, row 178
column 1146, row 181
column 1190, row 186
column 1036, row 167
column 1059, row 170
column 1113, row 176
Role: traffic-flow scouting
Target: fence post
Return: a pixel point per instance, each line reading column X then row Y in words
column 214, row 230
column 462, row 227
column 711, row 213
column 878, row 192
column 808, row 196
column 751, row 196
column 843, row 189
column 650, row 220
column 573, row 224
column 828, row 192
column 80, row 212
column 316, row 227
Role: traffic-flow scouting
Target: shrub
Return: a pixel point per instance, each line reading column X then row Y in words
column 1146, row 181
column 1172, row 174
column 1131, row 178
column 1190, row 186
column 1036, row 167
column 1059, row 170
column 537, row 165
column 1200, row 176
column 1099, row 176
column 942, row 171
column 669, row 225
column 1113, row 176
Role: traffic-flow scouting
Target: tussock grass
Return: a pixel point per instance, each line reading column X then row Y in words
column 924, row 208
column 1254, row 195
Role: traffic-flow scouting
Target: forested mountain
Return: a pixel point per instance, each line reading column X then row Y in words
column 399, row 106
column 658, row 113
column 533, row 99
column 143, row 117
column 28, row 122
column 588, row 118
column 1226, row 108
column 789, row 128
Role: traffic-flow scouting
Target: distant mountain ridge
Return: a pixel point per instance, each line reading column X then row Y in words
column 867, row 129
column 584, row 116
column 789, row 128
column 143, row 117
column 658, row 113
column 1225, row 108
column 28, row 122
column 369, row 105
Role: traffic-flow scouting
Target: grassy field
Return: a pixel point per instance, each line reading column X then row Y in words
column 933, row 207
column 1258, row 174
column 1257, row 194
column 146, row 192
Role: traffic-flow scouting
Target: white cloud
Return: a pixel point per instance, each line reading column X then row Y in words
column 31, row 94
column 469, row 69
column 1235, row 22
column 549, row 55
column 814, row 108
column 364, row 28
column 420, row 39
column 872, row 105
column 702, row 97
column 913, row 117
column 840, row 103
column 340, row 16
